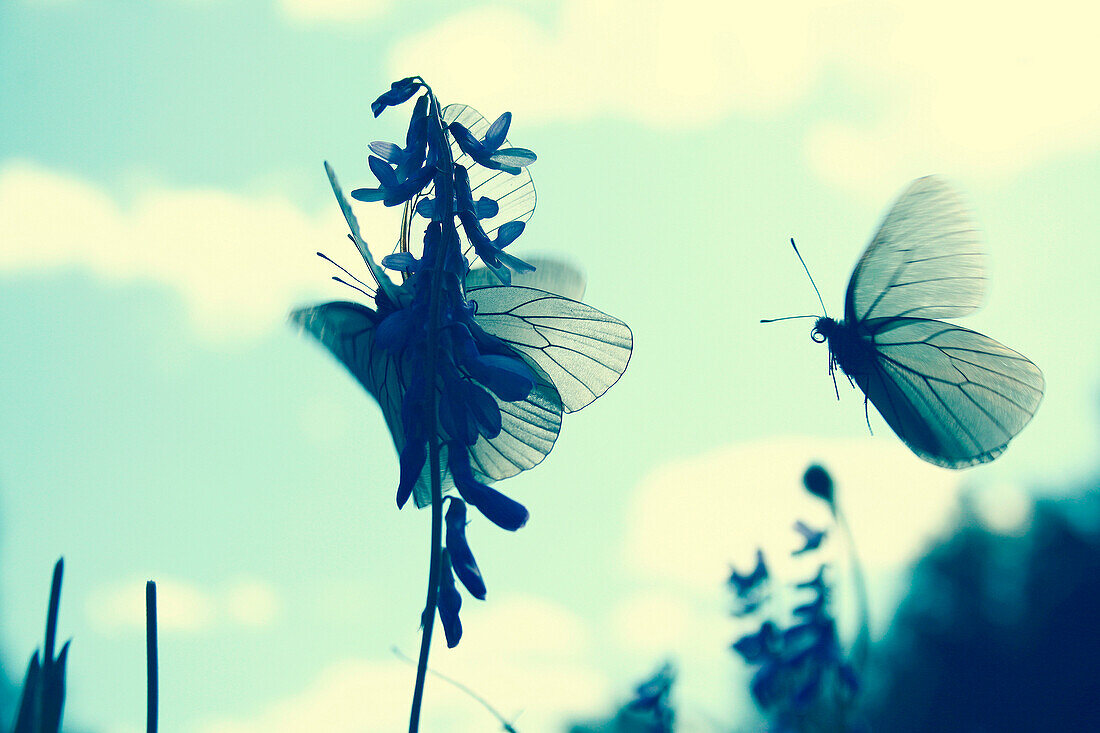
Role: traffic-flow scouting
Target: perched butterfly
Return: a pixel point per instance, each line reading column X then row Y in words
column 575, row 352
column 954, row 396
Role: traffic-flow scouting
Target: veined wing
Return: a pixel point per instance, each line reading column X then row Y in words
column 528, row 431
column 550, row 274
column 583, row 350
column 925, row 261
column 529, row 428
column 954, row 396
column 347, row 330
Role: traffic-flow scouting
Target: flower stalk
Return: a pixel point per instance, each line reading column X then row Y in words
column 445, row 198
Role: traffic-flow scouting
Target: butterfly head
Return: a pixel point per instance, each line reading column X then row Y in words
column 823, row 329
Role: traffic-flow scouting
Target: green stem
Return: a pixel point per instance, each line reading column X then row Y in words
column 151, row 666
column 427, row 619
column 862, row 644
column 445, row 196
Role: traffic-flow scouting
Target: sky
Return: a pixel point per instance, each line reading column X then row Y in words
column 162, row 197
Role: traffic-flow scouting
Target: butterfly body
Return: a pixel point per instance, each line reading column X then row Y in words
column 955, row 397
column 575, row 352
column 846, row 349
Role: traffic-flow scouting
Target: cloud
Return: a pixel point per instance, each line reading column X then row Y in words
column 238, row 262
column 251, row 603
column 691, row 519
column 657, row 624
column 522, row 654
column 946, row 86
column 652, row 61
column 348, row 696
column 992, row 92
column 182, row 606
column 332, row 11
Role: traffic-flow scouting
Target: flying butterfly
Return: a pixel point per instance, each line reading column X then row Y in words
column 954, row 396
column 575, row 351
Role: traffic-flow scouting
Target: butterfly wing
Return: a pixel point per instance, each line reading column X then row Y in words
column 583, row 350
column 347, row 330
column 954, row 396
column 925, row 261
column 529, row 427
column 550, row 274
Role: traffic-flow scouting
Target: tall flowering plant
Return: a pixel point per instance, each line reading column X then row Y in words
column 472, row 366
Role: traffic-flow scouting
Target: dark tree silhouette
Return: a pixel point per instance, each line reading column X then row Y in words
column 999, row 633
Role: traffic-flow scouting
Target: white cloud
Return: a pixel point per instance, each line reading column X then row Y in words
column 656, row 624
column 524, row 655
column 251, row 603
column 526, row 625
column 528, row 654
column 333, row 11
column 182, row 606
column 664, row 63
column 240, row 263
column 347, row 697
column 951, row 87
column 972, row 89
column 691, row 519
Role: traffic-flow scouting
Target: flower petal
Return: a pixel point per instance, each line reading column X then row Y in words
column 449, row 603
column 462, row 559
column 497, row 508
column 494, row 137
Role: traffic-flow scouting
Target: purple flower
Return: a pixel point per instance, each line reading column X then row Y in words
column 487, row 151
column 449, row 603
column 462, row 560
column 813, row 538
column 400, row 92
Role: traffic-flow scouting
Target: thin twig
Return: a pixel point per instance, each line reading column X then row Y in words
column 507, row 726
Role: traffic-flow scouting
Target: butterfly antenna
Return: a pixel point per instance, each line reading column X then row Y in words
column 344, row 270
column 785, row 318
column 819, row 300
column 353, row 287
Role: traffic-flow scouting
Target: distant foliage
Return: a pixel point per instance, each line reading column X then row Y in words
column 650, row 711
column 999, row 633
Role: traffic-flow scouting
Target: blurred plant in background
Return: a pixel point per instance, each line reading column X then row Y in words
column 805, row 680
column 650, row 711
column 42, row 699
column 43, row 696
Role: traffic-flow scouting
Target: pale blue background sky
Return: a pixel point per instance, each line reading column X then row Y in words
column 161, row 197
